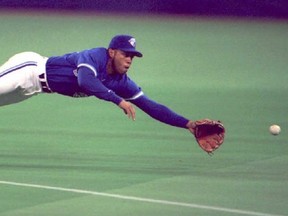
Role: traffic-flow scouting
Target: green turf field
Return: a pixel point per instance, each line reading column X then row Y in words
column 64, row 156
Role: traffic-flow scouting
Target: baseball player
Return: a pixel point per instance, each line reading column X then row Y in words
column 99, row 72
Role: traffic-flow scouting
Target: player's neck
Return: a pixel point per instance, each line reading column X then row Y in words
column 109, row 68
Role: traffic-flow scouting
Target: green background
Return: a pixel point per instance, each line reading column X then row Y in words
column 234, row 70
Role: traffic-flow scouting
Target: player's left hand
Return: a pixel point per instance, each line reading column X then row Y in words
column 209, row 134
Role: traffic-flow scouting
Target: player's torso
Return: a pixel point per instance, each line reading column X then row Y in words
column 62, row 70
column 62, row 74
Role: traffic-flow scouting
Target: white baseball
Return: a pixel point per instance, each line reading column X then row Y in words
column 275, row 129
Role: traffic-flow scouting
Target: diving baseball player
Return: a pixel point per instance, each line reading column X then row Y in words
column 99, row 72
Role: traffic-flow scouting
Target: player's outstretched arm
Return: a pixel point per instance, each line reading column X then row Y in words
column 161, row 113
column 209, row 134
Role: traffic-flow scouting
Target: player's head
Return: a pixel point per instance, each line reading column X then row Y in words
column 122, row 50
column 125, row 43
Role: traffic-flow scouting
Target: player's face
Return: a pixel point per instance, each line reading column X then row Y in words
column 121, row 61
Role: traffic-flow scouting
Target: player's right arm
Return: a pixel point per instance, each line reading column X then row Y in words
column 91, row 85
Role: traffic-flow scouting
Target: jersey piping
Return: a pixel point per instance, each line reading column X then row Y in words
column 139, row 94
column 88, row 66
column 17, row 67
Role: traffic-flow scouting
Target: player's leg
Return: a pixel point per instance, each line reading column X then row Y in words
column 18, row 78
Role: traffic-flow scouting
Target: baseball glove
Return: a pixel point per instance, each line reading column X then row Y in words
column 209, row 134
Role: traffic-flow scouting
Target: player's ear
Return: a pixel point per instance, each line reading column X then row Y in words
column 111, row 53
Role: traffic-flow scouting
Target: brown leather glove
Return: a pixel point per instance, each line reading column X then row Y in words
column 209, row 134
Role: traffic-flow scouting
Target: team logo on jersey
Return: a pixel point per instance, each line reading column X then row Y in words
column 75, row 72
column 132, row 41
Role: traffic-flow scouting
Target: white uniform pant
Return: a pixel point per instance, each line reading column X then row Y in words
column 19, row 77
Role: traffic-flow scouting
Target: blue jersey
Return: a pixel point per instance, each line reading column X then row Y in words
column 62, row 76
column 84, row 73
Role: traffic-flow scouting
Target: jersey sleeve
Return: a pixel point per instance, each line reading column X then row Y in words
column 91, row 85
column 128, row 89
column 160, row 112
column 88, row 79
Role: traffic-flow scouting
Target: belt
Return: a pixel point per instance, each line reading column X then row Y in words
column 44, row 83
